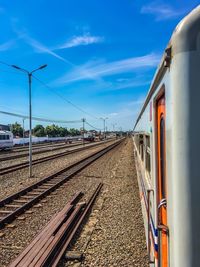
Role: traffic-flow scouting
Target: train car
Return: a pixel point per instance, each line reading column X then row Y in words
column 6, row 140
column 89, row 137
column 167, row 149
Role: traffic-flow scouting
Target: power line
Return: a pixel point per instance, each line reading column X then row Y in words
column 4, row 63
column 66, row 100
column 13, row 72
column 98, row 129
column 59, row 95
column 38, row 119
column 8, row 65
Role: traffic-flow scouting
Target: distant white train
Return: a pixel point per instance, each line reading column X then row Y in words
column 167, row 149
column 6, row 138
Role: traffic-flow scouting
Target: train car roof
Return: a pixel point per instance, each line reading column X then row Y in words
column 184, row 38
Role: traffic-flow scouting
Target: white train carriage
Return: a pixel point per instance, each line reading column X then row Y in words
column 167, row 149
column 6, row 140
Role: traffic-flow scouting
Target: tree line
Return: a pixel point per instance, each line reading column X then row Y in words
column 41, row 131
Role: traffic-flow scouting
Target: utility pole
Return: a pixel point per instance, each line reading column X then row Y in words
column 114, row 126
column 83, row 120
column 104, row 126
column 120, row 128
column 30, row 110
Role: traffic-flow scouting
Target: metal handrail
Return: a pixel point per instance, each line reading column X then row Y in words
column 149, row 229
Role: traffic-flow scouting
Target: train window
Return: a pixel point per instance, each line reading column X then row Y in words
column 148, row 154
column 4, row 137
column 141, row 146
column 136, row 140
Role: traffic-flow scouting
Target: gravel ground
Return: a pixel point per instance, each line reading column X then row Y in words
column 114, row 233
column 39, row 156
column 15, row 181
column 17, row 238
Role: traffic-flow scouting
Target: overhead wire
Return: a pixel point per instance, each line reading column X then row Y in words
column 38, row 119
column 8, row 65
column 66, row 100
column 4, row 63
column 59, row 95
column 98, row 129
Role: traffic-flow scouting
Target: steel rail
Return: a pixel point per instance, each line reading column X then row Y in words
column 25, row 164
column 37, row 147
column 46, row 232
column 6, row 158
column 16, row 204
column 65, row 244
column 50, row 244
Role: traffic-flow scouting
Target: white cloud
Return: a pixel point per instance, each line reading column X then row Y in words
column 85, row 39
column 40, row 48
column 95, row 70
column 131, row 84
column 36, row 45
column 161, row 11
column 114, row 86
column 126, row 114
column 7, row 45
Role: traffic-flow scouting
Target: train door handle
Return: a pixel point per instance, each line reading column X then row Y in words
column 162, row 227
column 162, row 203
column 149, row 191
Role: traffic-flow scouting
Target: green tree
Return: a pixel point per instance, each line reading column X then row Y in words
column 50, row 130
column 74, row 132
column 53, row 130
column 17, row 129
column 63, row 131
column 39, row 130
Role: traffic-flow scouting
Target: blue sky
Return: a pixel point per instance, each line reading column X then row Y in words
column 101, row 56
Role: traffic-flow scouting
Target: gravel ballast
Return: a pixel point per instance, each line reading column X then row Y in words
column 15, row 181
column 114, row 232
column 115, row 228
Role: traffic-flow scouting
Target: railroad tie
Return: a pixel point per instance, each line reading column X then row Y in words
column 5, row 211
column 12, row 206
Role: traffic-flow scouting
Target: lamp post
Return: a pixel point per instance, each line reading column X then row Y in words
column 120, row 128
column 104, row 126
column 114, row 124
column 29, row 73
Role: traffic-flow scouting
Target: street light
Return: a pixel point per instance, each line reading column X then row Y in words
column 120, row 128
column 104, row 126
column 29, row 73
column 114, row 124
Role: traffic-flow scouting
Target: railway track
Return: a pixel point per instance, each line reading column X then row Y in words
column 18, row 203
column 36, row 147
column 52, row 242
column 25, row 164
column 6, row 158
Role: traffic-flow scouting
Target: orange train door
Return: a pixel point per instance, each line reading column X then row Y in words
column 161, row 181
